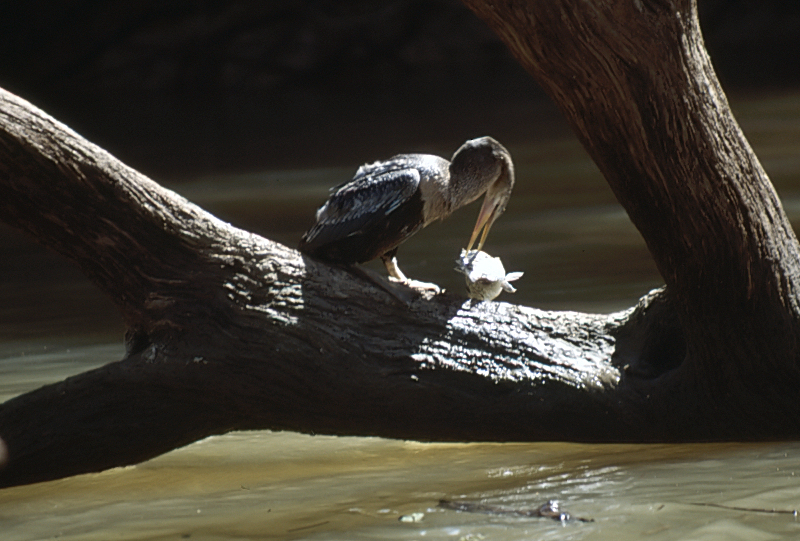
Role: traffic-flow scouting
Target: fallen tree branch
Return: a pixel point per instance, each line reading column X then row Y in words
column 228, row 330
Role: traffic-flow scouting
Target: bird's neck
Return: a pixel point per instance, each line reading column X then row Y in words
column 436, row 201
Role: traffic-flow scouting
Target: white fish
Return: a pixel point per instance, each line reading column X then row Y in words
column 485, row 275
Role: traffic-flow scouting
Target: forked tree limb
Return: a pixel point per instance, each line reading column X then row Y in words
column 635, row 82
column 228, row 330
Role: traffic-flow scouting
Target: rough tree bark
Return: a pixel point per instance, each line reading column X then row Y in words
column 228, row 330
column 634, row 80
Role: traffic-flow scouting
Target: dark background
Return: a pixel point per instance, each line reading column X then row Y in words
column 190, row 87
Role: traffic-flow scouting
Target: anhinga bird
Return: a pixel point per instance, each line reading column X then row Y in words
column 388, row 201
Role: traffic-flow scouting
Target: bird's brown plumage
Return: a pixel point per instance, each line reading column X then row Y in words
column 388, row 201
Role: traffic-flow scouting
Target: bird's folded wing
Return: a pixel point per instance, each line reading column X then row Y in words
column 376, row 191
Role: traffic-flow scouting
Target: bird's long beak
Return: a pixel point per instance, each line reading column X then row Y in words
column 486, row 218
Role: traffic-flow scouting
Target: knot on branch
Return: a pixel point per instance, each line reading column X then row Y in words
column 651, row 341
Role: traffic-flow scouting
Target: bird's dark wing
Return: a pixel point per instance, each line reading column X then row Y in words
column 364, row 202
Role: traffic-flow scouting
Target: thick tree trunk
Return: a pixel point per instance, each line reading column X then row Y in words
column 635, row 82
column 228, row 330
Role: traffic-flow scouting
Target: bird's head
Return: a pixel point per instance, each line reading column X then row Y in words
column 483, row 166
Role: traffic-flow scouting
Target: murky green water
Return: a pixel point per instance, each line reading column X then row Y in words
column 286, row 486
column 578, row 251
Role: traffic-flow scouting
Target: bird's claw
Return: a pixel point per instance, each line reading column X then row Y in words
column 426, row 286
column 416, row 284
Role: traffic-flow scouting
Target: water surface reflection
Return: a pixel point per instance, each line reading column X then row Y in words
column 260, row 485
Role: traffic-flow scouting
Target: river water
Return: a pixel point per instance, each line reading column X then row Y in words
column 578, row 250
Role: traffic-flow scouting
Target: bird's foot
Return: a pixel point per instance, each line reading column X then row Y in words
column 416, row 284
column 396, row 276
